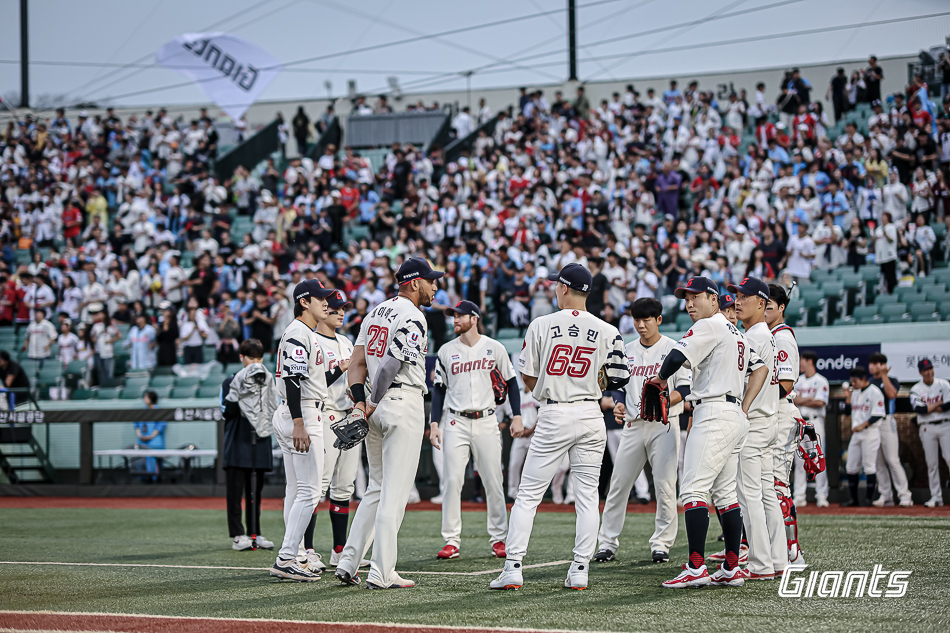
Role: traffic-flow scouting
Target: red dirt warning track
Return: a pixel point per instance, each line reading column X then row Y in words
column 43, row 621
column 218, row 503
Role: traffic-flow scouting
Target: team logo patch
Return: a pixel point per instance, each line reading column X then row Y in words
column 456, row 357
column 414, row 338
column 782, row 356
column 688, row 334
column 452, row 422
column 488, row 352
column 299, row 353
column 575, row 312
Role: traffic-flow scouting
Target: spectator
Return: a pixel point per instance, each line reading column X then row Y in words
column 142, row 341
column 167, row 337
column 885, row 250
column 837, row 92
column 68, row 343
column 873, row 75
column 463, row 123
column 150, row 435
column 229, row 334
column 103, row 334
column 193, row 330
column 301, row 129
column 40, row 335
column 14, row 378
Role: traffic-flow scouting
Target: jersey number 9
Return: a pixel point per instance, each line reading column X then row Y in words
column 378, row 340
column 572, row 360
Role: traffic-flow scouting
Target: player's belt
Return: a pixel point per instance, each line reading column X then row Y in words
column 399, row 385
column 572, row 401
column 726, row 398
column 473, row 415
column 936, row 422
column 307, row 404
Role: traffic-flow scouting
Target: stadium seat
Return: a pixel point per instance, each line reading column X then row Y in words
column 816, row 305
column 135, row 392
column 184, row 392
column 922, row 308
column 161, row 381
column 163, row 370
column 864, row 315
column 892, row 309
column 161, row 392
column 188, row 381
column 109, row 393
column 683, row 322
column 944, row 309
column 908, row 294
column 509, row 332
column 882, row 300
column 937, row 294
column 208, row 391
column 85, row 394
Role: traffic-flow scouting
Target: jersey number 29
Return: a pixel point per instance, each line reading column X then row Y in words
column 572, row 360
column 378, row 340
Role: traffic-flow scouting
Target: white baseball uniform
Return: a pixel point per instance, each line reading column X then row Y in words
column 398, row 328
column 564, row 351
column 299, row 355
column 470, row 429
column 761, row 511
column 814, row 388
column 787, row 428
column 934, row 429
column 889, row 468
column 641, row 442
column 339, row 467
column 866, row 403
column 519, row 445
column 719, row 356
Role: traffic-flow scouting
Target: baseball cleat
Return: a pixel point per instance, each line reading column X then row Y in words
column 292, row 570
column 345, row 578
column 437, row 500
column 659, row 556
column 498, row 550
column 689, row 577
column 449, row 551
column 242, row 542
column 399, row 583
column 800, row 503
column 907, row 503
column 850, row 503
column 934, row 503
column 795, row 555
column 723, row 577
column 881, row 502
column 604, row 555
column 335, row 559
column 720, row 556
column 315, row 562
column 510, row 577
column 576, row 577
column 822, row 503
column 263, row 543
column 754, row 576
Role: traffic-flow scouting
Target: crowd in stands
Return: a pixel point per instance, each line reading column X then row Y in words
column 126, row 223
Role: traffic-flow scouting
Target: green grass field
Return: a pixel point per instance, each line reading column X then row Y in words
column 624, row 595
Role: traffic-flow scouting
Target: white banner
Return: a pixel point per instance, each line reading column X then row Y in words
column 232, row 71
column 903, row 357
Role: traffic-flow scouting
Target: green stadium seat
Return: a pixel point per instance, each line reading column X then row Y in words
column 161, row 381
column 897, row 318
column 109, row 393
column 893, row 309
column 188, row 381
column 135, row 392
column 864, row 315
column 208, row 391
column 907, row 294
column 882, row 300
column 937, row 294
column 683, row 322
column 163, row 370
column 509, row 332
column 184, row 392
column 922, row 308
column 162, row 392
column 85, row 394
column 927, row 318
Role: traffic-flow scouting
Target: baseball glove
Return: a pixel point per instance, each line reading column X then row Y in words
column 350, row 430
column 498, row 386
column 602, row 379
column 654, row 403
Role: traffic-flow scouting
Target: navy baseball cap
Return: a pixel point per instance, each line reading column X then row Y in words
column 574, row 276
column 924, row 364
column 416, row 268
column 464, row 307
column 337, row 300
column 311, row 288
column 750, row 286
column 697, row 285
column 726, row 301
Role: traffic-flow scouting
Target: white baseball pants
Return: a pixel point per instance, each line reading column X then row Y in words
column 889, row 468
column 936, row 439
column 786, row 443
column 642, row 484
column 339, row 467
column 438, row 460
column 761, row 511
column 576, row 430
column 519, row 451
column 557, row 484
column 303, row 473
column 393, row 445
column 821, row 480
column 862, row 451
column 643, row 442
column 462, row 438
column 711, row 459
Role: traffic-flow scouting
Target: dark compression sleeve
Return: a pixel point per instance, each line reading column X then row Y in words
column 438, row 400
column 514, row 396
column 674, row 360
column 292, row 385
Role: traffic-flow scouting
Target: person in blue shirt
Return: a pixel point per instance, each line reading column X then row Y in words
column 151, row 435
column 669, row 96
column 777, row 155
column 368, row 201
column 816, row 179
column 835, row 203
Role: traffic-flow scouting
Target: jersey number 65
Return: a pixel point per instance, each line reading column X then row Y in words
column 572, row 360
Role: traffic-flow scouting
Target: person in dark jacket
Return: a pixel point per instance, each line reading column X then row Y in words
column 246, row 458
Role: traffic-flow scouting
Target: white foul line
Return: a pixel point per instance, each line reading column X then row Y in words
column 428, row 573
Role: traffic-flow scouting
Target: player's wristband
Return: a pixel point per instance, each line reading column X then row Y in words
column 358, row 391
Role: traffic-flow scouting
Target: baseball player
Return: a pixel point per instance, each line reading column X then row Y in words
column 615, row 427
column 568, row 360
column 390, row 352
column 761, row 512
column 302, row 387
column 520, row 444
column 930, row 399
column 463, row 386
column 727, row 305
column 788, row 428
column 811, row 398
column 867, row 410
column 889, row 468
column 339, row 466
column 720, row 357
column 644, row 441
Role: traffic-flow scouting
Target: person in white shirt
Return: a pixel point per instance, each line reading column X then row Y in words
column 895, row 195
column 93, row 294
column 801, row 253
column 463, row 123
column 174, row 282
column 39, row 295
column 40, row 335
column 68, row 343
column 193, row 328
column 930, row 399
column 922, row 237
column 867, row 409
column 103, row 335
column 885, row 250
column 812, row 392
